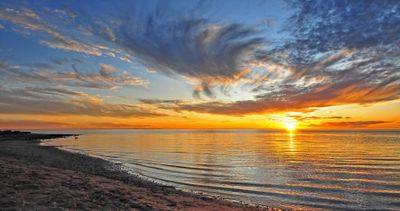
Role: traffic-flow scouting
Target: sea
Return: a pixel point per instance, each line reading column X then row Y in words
column 333, row 170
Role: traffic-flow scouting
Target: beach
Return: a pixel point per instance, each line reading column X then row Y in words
column 36, row 177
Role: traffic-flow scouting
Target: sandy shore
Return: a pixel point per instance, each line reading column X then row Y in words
column 34, row 177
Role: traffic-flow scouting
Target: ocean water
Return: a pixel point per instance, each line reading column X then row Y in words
column 305, row 170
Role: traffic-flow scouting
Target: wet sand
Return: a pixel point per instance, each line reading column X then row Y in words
column 35, row 177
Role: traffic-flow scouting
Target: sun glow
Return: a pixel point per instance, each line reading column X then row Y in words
column 290, row 125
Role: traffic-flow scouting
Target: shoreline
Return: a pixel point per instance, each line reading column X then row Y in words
column 31, row 171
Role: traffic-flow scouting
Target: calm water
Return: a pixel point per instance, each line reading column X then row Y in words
column 334, row 170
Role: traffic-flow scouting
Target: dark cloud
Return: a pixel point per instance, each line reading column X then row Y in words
column 308, row 118
column 158, row 101
column 62, row 61
column 191, row 47
column 323, row 25
column 208, row 53
column 45, row 93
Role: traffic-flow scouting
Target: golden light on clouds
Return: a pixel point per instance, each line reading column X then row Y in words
column 102, row 69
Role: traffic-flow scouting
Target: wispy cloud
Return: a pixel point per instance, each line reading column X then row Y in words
column 356, row 89
column 335, row 59
column 312, row 118
column 60, row 33
column 53, row 101
column 28, row 19
column 107, row 77
column 207, row 54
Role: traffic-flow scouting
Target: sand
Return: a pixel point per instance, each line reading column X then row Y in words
column 35, row 177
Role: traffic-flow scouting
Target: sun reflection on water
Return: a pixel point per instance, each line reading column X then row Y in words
column 292, row 142
column 339, row 169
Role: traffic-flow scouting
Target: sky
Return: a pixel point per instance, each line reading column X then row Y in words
column 331, row 64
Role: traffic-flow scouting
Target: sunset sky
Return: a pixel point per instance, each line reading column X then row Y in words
column 199, row 64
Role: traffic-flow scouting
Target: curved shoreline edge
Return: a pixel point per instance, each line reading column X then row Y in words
column 31, row 171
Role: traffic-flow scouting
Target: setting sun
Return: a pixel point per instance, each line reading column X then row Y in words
column 290, row 125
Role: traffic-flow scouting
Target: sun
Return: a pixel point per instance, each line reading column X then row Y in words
column 290, row 125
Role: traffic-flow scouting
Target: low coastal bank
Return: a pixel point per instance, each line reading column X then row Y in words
column 35, row 177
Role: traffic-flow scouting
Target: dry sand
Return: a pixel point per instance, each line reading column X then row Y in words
column 34, row 177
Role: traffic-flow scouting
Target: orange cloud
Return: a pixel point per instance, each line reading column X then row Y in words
column 291, row 101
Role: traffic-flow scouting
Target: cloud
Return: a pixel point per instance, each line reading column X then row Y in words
column 207, row 54
column 60, row 29
column 38, row 124
column 51, row 101
column 44, row 93
column 323, row 25
column 335, row 53
column 62, row 61
column 351, row 124
column 30, row 124
column 311, row 118
column 293, row 101
column 315, row 68
column 118, row 125
column 28, row 19
column 192, row 48
column 107, row 77
column 355, row 89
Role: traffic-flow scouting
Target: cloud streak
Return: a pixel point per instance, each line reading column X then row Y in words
column 207, row 54
column 30, row 124
column 351, row 124
column 28, row 19
column 53, row 101
column 107, row 77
